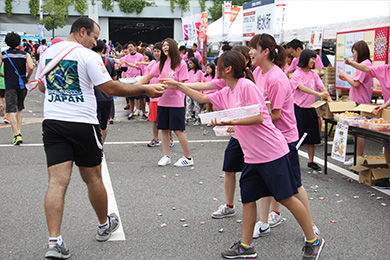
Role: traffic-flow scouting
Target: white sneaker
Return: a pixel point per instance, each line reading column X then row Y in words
column 224, row 211
column 274, row 219
column 164, row 161
column 315, row 230
column 183, row 161
column 261, row 229
column 349, row 162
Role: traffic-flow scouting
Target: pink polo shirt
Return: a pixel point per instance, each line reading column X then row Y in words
column 363, row 93
column 198, row 56
column 154, row 80
column 195, row 77
column 171, row 97
column 219, row 83
column 132, row 58
column 208, row 79
column 308, row 79
column 382, row 73
column 276, row 88
column 260, row 143
column 294, row 64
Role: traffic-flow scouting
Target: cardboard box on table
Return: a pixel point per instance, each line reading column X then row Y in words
column 386, row 114
column 366, row 110
column 333, row 107
column 371, row 171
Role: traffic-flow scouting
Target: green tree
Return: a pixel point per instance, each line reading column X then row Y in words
column 56, row 11
column 216, row 10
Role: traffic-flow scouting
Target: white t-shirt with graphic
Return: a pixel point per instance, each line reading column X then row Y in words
column 69, row 94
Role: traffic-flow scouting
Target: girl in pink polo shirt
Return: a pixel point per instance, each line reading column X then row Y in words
column 195, row 74
column 361, row 85
column 153, row 102
column 382, row 73
column 306, row 86
column 170, row 110
column 267, row 170
column 209, row 76
column 275, row 86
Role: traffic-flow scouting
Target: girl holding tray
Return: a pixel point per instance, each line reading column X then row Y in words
column 267, row 170
column 275, row 86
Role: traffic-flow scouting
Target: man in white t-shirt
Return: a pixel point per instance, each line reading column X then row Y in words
column 71, row 129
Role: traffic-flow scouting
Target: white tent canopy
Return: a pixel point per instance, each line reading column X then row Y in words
column 302, row 15
column 330, row 30
column 214, row 30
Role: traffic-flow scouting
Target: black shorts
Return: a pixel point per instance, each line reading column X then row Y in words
column 2, row 93
column 233, row 160
column 307, row 122
column 273, row 178
column 294, row 160
column 14, row 100
column 69, row 141
column 171, row 118
column 103, row 112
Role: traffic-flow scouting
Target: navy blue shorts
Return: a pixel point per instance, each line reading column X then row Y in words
column 234, row 157
column 171, row 118
column 274, row 179
column 307, row 122
column 294, row 160
column 103, row 113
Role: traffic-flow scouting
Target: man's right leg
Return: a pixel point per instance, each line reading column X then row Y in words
column 59, row 177
column 96, row 191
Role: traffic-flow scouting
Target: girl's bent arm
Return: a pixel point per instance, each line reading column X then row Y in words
column 356, row 65
column 253, row 120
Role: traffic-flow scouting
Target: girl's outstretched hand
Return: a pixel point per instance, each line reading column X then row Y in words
column 169, row 83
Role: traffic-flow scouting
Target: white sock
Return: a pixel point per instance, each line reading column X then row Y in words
column 56, row 239
column 105, row 225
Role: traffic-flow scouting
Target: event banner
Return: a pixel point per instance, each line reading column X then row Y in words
column 203, row 26
column 377, row 40
column 265, row 16
column 316, row 35
column 227, row 7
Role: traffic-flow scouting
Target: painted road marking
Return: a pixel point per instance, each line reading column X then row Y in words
column 118, row 235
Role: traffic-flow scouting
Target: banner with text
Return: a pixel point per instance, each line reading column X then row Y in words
column 264, row 16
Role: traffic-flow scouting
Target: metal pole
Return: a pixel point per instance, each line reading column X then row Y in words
column 40, row 14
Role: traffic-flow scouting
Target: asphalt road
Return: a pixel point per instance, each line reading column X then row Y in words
column 142, row 190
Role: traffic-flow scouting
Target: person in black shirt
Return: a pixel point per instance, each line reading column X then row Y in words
column 104, row 101
column 15, row 76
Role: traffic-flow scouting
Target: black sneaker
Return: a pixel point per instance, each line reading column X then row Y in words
column 314, row 166
column 103, row 234
column 55, row 250
column 238, row 251
column 312, row 252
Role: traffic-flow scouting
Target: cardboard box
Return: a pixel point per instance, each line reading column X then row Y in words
column 360, row 160
column 386, row 114
column 371, row 171
column 366, row 110
column 334, row 107
column 373, row 177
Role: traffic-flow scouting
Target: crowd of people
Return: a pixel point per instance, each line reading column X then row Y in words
column 175, row 84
